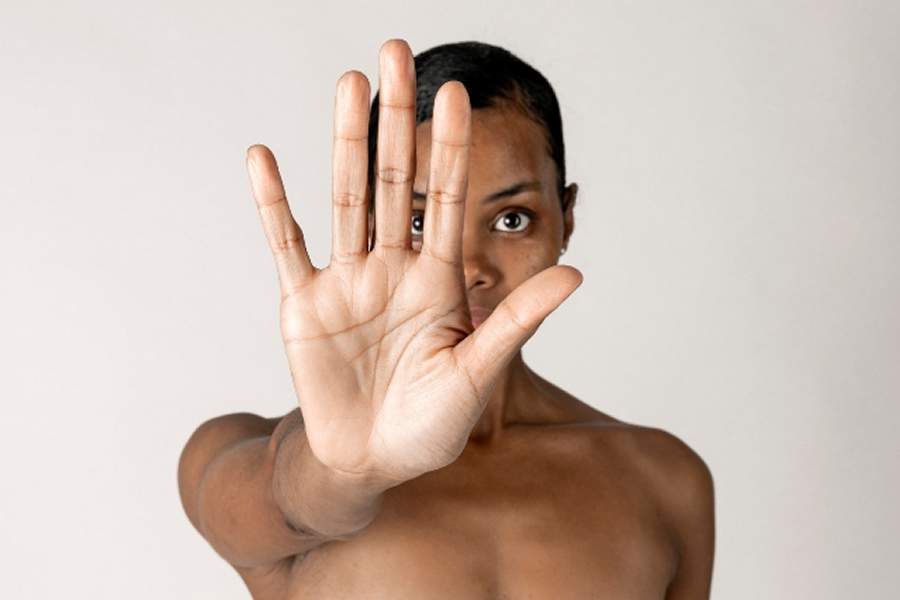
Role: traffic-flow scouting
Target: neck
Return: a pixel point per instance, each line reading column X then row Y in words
column 515, row 399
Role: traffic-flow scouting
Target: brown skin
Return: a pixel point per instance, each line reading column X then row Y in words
column 425, row 459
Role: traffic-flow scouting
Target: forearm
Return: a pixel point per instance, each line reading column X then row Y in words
column 228, row 490
column 314, row 498
column 235, row 510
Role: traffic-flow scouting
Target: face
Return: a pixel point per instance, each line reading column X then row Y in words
column 514, row 224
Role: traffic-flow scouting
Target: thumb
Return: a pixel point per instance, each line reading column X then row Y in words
column 488, row 349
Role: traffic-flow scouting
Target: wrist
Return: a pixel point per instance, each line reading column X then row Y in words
column 313, row 497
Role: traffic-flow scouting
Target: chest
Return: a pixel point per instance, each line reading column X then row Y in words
column 550, row 530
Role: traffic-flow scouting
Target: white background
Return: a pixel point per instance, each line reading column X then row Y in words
column 738, row 227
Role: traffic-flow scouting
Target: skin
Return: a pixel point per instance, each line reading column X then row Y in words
column 425, row 459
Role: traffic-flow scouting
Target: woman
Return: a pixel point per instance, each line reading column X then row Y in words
column 425, row 459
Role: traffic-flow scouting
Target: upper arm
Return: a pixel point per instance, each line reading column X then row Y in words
column 694, row 520
column 224, row 479
column 685, row 487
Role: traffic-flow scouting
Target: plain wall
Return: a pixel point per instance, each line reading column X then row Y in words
column 738, row 226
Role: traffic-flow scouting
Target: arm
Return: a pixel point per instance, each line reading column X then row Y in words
column 693, row 514
column 251, row 487
column 389, row 371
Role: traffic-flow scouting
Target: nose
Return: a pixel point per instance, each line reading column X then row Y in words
column 480, row 271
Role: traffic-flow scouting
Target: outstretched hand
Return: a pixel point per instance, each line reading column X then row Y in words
column 390, row 375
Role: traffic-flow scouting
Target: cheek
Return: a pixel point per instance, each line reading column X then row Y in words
column 525, row 259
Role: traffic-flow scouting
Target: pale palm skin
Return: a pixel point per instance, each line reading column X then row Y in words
column 390, row 374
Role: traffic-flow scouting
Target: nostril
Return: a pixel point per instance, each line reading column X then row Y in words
column 476, row 280
column 479, row 270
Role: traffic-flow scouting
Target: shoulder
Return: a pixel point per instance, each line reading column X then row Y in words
column 235, row 423
column 670, row 461
column 681, row 484
column 662, row 456
column 663, row 465
column 215, row 434
column 674, row 479
column 676, row 474
column 207, row 442
column 667, row 464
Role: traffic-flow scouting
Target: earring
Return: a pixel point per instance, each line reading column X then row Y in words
column 563, row 251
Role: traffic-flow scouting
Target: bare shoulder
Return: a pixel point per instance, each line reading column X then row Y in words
column 214, row 434
column 665, row 461
column 667, row 458
column 211, row 439
column 207, row 441
column 665, row 470
column 681, row 484
column 664, row 464
column 673, row 470
column 240, row 424
column 672, row 466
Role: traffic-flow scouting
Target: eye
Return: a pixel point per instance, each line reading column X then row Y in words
column 417, row 227
column 513, row 221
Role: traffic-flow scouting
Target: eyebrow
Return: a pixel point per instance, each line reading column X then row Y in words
column 517, row 188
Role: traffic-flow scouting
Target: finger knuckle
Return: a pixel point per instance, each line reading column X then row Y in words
column 269, row 205
column 290, row 242
column 349, row 199
column 394, row 175
column 516, row 319
column 446, row 196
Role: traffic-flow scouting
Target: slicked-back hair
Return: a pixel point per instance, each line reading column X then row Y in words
column 493, row 77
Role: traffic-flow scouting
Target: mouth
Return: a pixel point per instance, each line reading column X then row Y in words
column 479, row 315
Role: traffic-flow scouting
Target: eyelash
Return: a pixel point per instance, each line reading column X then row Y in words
column 528, row 214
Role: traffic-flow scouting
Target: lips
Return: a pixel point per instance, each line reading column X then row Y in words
column 479, row 315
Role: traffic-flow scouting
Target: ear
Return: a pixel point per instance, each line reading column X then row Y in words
column 568, row 203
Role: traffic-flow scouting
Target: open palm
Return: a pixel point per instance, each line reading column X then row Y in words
column 389, row 372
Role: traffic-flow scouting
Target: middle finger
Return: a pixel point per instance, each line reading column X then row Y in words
column 396, row 148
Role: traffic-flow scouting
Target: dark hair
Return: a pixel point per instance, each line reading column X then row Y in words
column 492, row 76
